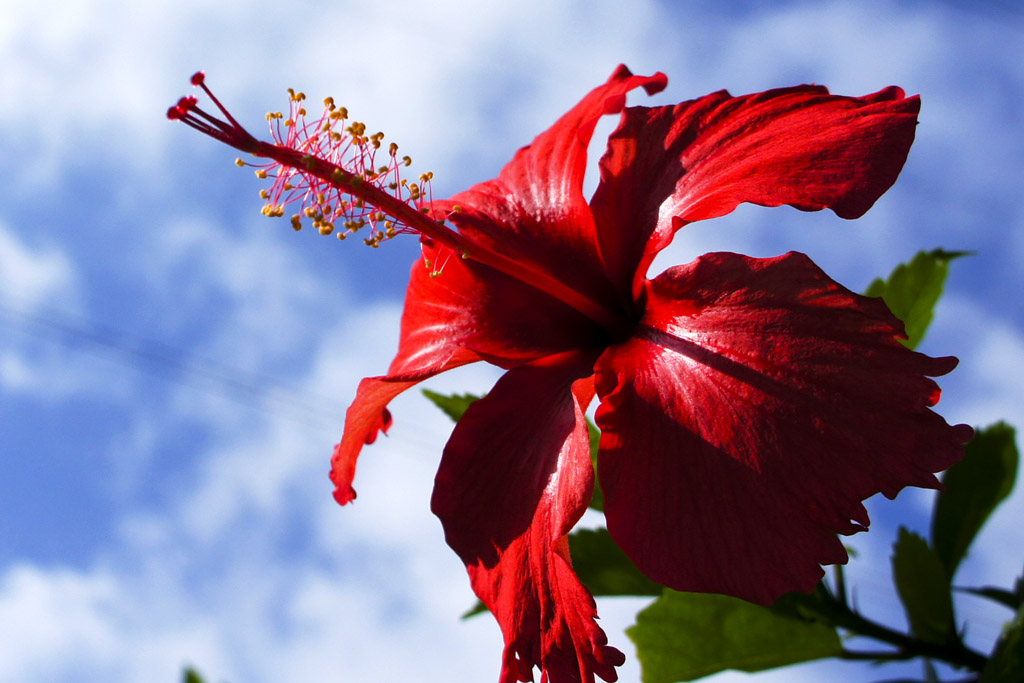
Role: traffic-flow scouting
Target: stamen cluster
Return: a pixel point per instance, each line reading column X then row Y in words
column 357, row 155
column 337, row 173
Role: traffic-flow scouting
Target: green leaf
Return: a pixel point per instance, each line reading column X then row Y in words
column 192, row 676
column 923, row 586
column 914, row 288
column 597, row 501
column 974, row 487
column 453, row 406
column 685, row 636
column 478, row 608
column 1007, row 660
column 604, row 568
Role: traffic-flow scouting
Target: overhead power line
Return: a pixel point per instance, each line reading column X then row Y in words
column 172, row 363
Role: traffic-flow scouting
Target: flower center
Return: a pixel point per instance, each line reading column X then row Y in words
column 343, row 181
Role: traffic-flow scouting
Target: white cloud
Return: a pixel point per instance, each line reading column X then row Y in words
column 29, row 276
column 33, row 281
column 50, row 617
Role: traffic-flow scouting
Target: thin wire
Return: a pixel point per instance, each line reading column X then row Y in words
column 259, row 392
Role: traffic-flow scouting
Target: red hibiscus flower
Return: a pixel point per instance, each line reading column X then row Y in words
column 747, row 406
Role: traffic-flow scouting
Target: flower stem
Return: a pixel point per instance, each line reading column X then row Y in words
column 437, row 230
column 908, row 647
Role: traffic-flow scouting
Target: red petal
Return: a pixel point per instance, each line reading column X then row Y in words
column 535, row 211
column 515, row 477
column 759, row 404
column 467, row 313
column 799, row 146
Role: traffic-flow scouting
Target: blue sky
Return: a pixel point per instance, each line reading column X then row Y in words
column 174, row 367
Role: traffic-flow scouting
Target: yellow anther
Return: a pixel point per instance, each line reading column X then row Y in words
column 239, row 163
column 310, row 212
column 435, row 273
column 261, row 173
column 393, row 149
column 336, row 136
column 288, row 186
column 329, row 103
column 343, row 111
column 302, row 110
column 407, row 160
column 264, row 194
column 296, row 223
column 326, row 229
column 289, row 123
column 381, row 170
column 342, row 235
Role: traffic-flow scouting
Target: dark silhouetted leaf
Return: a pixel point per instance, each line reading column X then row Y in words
column 923, row 587
column 684, row 636
column 1006, row 665
column 1012, row 599
column 974, row 487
